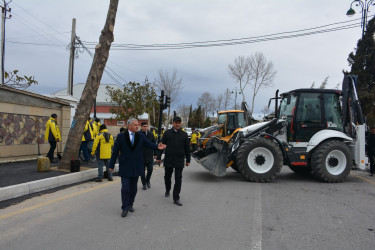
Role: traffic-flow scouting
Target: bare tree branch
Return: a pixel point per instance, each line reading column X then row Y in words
column 227, row 99
column 262, row 74
column 171, row 84
column 206, row 101
column 240, row 71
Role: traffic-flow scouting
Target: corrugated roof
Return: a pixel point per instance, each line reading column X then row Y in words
column 78, row 89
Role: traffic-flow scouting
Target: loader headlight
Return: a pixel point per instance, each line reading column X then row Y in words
column 236, row 145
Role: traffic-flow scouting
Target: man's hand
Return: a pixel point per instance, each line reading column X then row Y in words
column 57, row 140
column 111, row 170
column 158, row 162
column 161, row 146
column 187, row 164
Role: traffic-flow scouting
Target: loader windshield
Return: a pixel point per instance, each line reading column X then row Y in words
column 287, row 105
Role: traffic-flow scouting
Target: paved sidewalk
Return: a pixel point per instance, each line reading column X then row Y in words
column 25, row 171
column 22, row 178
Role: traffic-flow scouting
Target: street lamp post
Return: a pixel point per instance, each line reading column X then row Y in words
column 235, row 91
column 365, row 5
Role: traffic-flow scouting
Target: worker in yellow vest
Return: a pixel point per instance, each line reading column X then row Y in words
column 195, row 135
column 52, row 135
column 86, row 138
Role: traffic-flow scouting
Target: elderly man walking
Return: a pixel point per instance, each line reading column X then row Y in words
column 130, row 147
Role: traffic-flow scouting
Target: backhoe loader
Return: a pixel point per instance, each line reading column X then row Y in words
column 321, row 131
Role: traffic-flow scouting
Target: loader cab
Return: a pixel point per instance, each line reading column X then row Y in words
column 230, row 121
column 307, row 111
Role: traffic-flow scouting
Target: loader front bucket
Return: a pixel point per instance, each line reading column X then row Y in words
column 214, row 156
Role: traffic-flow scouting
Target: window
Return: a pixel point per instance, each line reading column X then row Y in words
column 333, row 111
column 285, row 108
column 222, row 118
column 120, row 123
column 309, row 108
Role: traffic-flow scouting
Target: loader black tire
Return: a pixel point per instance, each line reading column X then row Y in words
column 300, row 170
column 259, row 159
column 331, row 161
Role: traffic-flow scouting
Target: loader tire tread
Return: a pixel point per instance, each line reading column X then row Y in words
column 242, row 159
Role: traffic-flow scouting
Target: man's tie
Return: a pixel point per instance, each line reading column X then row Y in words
column 132, row 139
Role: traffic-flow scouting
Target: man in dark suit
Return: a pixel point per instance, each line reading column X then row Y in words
column 130, row 144
column 178, row 148
column 148, row 156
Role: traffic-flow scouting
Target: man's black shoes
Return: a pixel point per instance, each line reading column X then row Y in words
column 131, row 209
column 144, row 187
column 124, row 213
column 166, row 194
column 148, row 184
column 178, row 203
column 99, row 179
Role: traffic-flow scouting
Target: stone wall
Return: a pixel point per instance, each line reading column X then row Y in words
column 23, row 116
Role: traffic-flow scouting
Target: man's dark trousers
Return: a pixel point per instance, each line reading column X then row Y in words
column 128, row 191
column 371, row 156
column 149, row 166
column 51, row 149
column 177, row 179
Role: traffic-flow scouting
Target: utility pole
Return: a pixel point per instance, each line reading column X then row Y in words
column 4, row 10
column 71, row 58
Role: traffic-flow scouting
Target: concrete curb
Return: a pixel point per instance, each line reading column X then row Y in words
column 31, row 187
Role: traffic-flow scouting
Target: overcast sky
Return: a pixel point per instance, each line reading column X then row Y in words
column 299, row 61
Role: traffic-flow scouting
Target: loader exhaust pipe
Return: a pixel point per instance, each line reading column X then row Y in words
column 276, row 103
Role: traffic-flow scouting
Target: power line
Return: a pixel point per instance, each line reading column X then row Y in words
column 49, row 34
column 81, row 45
column 24, row 22
column 227, row 42
column 42, row 22
column 34, row 28
column 38, row 44
column 220, row 41
column 215, row 44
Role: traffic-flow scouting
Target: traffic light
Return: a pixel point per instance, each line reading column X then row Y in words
column 167, row 102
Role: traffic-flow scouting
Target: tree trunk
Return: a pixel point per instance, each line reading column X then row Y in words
column 91, row 88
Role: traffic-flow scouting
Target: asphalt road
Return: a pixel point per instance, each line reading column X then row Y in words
column 294, row 212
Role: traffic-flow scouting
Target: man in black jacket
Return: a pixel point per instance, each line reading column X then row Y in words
column 148, row 156
column 178, row 148
column 371, row 150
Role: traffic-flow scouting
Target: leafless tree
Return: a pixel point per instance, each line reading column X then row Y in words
column 227, row 99
column 324, row 83
column 206, row 101
column 240, row 71
column 91, row 88
column 262, row 74
column 183, row 112
column 219, row 102
column 171, row 84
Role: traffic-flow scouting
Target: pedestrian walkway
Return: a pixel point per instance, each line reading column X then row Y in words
column 14, row 173
column 22, row 178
